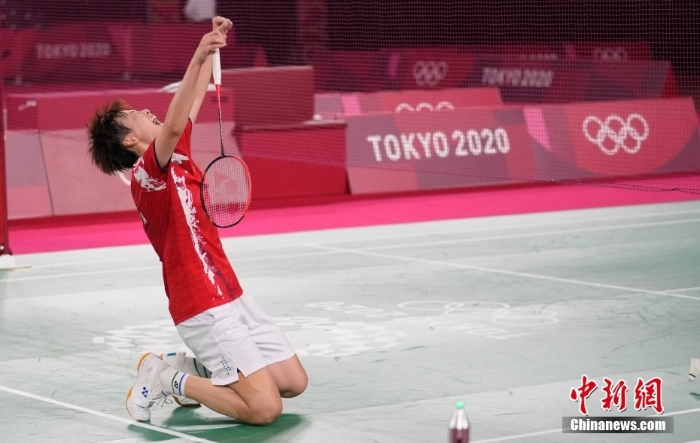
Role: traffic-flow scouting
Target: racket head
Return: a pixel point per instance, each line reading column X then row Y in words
column 226, row 191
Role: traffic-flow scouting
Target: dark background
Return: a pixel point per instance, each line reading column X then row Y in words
column 670, row 26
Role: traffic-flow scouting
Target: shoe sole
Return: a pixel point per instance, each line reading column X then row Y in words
column 128, row 395
column 184, row 405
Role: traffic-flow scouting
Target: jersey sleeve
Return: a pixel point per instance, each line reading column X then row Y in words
column 184, row 145
column 148, row 165
column 148, row 173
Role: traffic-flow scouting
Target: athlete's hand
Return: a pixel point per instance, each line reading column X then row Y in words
column 222, row 24
column 214, row 40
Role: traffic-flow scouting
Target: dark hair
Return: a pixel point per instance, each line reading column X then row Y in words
column 106, row 134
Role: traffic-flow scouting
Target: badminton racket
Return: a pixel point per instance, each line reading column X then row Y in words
column 226, row 187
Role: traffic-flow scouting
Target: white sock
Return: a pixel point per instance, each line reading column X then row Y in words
column 186, row 364
column 173, row 381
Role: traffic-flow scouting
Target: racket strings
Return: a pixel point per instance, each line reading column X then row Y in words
column 226, row 191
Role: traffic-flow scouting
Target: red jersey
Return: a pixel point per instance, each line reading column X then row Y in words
column 196, row 271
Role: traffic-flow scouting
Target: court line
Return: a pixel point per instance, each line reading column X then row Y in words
column 78, row 274
column 531, row 234
column 407, row 235
column 513, row 437
column 92, row 262
column 503, row 271
column 530, row 225
column 149, row 268
column 683, row 289
column 270, row 257
column 104, row 415
column 552, row 431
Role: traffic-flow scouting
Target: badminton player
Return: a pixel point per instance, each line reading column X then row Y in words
column 244, row 364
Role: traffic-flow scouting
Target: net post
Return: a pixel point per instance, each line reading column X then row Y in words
column 4, row 238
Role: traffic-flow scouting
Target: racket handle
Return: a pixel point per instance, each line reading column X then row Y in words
column 216, row 66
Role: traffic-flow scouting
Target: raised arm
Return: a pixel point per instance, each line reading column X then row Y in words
column 183, row 101
column 205, row 72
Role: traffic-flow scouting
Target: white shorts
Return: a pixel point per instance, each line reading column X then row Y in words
column 237, row 336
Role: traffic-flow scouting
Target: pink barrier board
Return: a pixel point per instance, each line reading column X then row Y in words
column 465, row 147
column 538, row 81
column 530, row 73
column 49, row 110
column 92, row 50
column 27, row 186
column 609, row 139
column 48, row 168
column 331, row 105
column 472, row 147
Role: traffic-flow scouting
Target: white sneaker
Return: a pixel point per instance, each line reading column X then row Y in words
column 180, row 366
column 147, row 388
column 694, row 368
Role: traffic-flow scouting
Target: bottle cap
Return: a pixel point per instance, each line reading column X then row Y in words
column 459, row 405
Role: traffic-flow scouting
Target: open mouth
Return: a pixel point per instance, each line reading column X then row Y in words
column 155, row 121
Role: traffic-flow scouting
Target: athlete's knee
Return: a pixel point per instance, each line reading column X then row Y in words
column 266, row 412
column 296, row 386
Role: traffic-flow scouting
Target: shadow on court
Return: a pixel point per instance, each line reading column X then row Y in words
column 286, row 427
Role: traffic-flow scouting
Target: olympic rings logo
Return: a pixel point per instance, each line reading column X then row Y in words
column 610, row 54
column 429, row 73
column 618, row 137
column 423, row 105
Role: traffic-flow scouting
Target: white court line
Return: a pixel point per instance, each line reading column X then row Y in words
column 514, row 437
column 530, row 225
column 77, row 274
column 532, row 234
column 155, row 260
column 553, row 431
column 406, row 235
column 358, row 250
column 683, row 289
column 502, row 271
column 107, row 416
column 149, row 268
column 92, row 262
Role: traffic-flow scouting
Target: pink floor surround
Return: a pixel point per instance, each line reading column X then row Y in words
column 58, row 234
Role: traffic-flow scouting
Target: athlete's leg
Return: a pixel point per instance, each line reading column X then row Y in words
column 253, row 399
column 289, row 376
column 281, row 360
column 189, row 365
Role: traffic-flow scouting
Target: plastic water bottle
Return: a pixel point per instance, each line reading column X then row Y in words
column 459, row 425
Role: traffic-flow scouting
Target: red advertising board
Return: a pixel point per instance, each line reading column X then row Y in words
column 614, row 51
column 50, row 172
column 541, row 81
column 611, row 139
column 90, row 51
column 49, row 110
column 466, row 147
column 429, row 68
column 331, row 105
column 449, row 67
column 69, row 51
column 422, row 100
